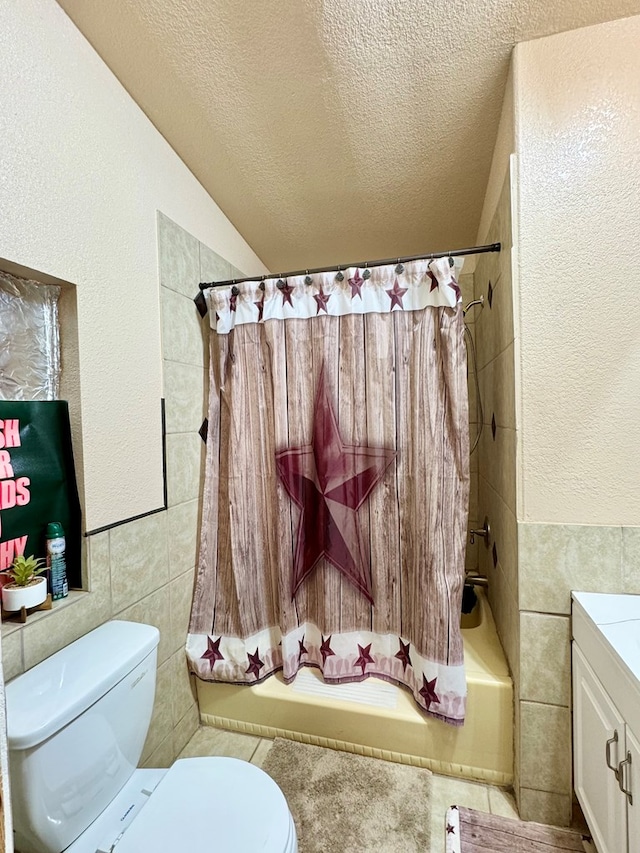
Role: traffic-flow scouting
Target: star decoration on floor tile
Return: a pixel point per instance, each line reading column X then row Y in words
column 450, row 829
column 302, row 650
column 364, row 658
column 403, row 654
column 255, row 664
column 395, row 294
column 213, row 652
column 356, row 285
column 428, row 691
column 329, row 481
column 325, row 648
column 321, row 301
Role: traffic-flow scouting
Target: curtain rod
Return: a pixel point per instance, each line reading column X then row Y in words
column 474, row 250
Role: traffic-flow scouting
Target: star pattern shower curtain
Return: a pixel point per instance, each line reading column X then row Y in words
column 337, row 483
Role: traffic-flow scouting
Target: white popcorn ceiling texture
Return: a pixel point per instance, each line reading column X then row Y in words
column 330, row 131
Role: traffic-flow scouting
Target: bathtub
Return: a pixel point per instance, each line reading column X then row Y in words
column 375, row 718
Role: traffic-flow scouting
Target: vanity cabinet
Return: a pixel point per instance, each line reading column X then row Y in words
column 606, row 717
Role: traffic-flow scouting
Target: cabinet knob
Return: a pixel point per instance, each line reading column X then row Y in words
column 611, row 766
column 620, row 777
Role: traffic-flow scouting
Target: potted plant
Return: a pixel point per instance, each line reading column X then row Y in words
column 27, row 587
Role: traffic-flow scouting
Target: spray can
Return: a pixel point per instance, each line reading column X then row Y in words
column 56, row 561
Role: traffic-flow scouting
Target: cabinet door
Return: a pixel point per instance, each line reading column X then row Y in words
column 596, row 721
column 631, row 782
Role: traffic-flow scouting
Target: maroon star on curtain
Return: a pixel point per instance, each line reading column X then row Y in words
column 428, row 691
column 364, row 658
column 213, row 652
column 403, row 654
column 255, row 664
column 325, row 648
column 329, row 481
column 395, row 294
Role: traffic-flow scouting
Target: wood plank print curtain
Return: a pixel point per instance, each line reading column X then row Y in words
column 337, row 483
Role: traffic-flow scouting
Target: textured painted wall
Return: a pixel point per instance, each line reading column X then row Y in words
column 578, row 144
column 82, row 174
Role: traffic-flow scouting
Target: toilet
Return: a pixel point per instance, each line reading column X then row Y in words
column 76, row 727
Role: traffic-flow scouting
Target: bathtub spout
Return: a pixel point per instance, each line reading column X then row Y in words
column 477, row 580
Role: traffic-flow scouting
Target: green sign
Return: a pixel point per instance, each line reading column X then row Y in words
column 37, row 482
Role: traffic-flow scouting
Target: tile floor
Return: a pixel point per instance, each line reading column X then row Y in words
column 446, row 791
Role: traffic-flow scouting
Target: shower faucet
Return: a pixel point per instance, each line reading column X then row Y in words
column 484, row 531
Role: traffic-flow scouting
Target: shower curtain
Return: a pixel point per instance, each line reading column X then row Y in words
column 337, row 483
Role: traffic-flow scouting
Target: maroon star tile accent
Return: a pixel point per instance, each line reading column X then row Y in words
column 325, row 649
column 329, row 481
column 428, row 691
column 302, row 650
column 255, row 664
column 260, row 306
column 450, row 829
column 356, row 285
column 286, row 290
column 321, row 301
column 364, row 658
column 403, row 654
column 213, row 652
column 395, row 294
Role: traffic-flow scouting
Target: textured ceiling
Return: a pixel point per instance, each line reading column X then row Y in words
column 330, row 130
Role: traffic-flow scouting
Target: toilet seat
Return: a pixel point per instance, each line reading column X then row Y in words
column 213, row 805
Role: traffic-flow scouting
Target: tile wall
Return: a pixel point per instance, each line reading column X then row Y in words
column 144, row 570
column 496, row 453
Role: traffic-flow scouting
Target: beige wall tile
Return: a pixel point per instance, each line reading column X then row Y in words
column 178, row 257
column 65, row 624
column 185, row 729
column 181, row 596
column 473, row 495
column 185, row 455
column 213, row 267
column 74, row 617
column 497, row 462
column 99, row 569
column 184, row 393
column 545, row 658
column 465, row 280
column 183, row 330
column 12, row 655
column 502, row 521
column 543, row 807
column 163, row 756
column 139, row 559
column 162, row 719
column 182, row 692
column 545, row 742
column 497, row 389
column 631, row 559
column 556, row 558
column 153, row 609
column 184, row 535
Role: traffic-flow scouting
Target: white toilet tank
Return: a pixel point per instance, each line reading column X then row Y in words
column 76, row 726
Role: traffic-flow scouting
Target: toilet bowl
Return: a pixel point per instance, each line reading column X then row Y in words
column 76, row 727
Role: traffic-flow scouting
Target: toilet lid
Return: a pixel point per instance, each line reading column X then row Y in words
column 212, row 805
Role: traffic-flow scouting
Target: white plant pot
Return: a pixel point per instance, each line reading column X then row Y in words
column 16, row 597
